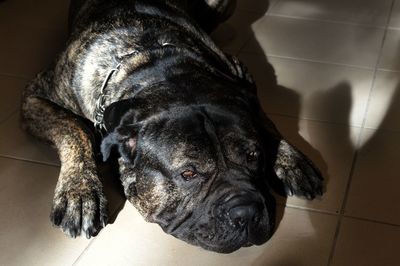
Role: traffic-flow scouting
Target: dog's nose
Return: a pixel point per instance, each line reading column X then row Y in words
column 243, row 210
column 243, row 214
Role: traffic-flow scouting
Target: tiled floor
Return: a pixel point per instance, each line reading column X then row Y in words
column 328, row 73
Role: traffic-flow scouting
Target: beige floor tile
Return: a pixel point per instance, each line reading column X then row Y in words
column 384, row 107
column 370, row 12
column 395, row 16
column 391, row 51
column 26, row 234
column 45, row 14
column 234, row 33
column 318, row 41
column 367, row 244
column 256, row 6
column 302, row 238
column 27, row 50
column 330, row 147
column 10, row 95
column 16, row 143
column 374, row 188
column 34, row 31
column 311, row 90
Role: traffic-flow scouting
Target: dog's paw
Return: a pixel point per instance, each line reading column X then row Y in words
column 241, row 70
column 79, row 206
column 297, row 173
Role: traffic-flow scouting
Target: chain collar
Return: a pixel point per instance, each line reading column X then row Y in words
column 101, row 101
column 240, row 69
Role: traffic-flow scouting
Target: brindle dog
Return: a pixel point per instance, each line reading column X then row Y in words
column 196, row 153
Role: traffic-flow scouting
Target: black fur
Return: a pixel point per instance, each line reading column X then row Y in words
column 197, row 154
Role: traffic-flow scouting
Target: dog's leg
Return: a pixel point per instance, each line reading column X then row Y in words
column 296, row 172
column 210, row 13
column 79, row 203
column 293, row 173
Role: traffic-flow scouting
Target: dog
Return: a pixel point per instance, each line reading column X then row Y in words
column 196, row 153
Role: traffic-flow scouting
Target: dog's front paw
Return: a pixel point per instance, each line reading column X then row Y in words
column 297, row 173
column 241, row 70
column 79, row 206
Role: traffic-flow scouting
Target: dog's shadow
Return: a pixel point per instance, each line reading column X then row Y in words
column 109, row 175
column 334, row 105
column 323, row 102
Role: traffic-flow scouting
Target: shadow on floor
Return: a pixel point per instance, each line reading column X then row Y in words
column 322, row 101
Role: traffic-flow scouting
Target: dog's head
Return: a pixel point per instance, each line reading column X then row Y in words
column 198, row 166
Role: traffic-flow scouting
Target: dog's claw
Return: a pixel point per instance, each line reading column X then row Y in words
column 104, row 222
column 90, row 232
column 80, row 208
column 297, row 173
column 289, row 191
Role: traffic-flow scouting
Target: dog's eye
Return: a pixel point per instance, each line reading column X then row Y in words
column 188, row 175
column 252, row 156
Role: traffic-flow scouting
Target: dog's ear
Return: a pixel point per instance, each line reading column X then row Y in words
column 124, row 138
column 121, row 119
column 116, row 111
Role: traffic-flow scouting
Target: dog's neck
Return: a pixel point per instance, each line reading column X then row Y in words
column 102, row 102
column 114, row 80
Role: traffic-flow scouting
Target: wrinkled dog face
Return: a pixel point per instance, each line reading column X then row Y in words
column 199, row 174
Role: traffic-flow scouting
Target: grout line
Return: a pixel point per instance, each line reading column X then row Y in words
column 388, row 130
column 29, row 161
column 239, row 10
column 307, row 209
column 309, row 60
column 252, row 35
column 112, row 215
column 389, row 70
column 19, row 158
column 394, row 28
column 8, row 75
column 337, row 214
column 272, row 6
column 371, row 221
column 347, row 23
column 326, row 122
column 84, row 251
column 358, row 144
column 343, row 124
column 318, row 61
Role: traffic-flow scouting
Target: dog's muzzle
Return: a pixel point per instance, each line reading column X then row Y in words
column 243, row 214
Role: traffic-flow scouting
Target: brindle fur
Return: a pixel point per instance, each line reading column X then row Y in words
column 172, row 79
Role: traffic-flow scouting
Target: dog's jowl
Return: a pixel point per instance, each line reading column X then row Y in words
column 196, row 153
